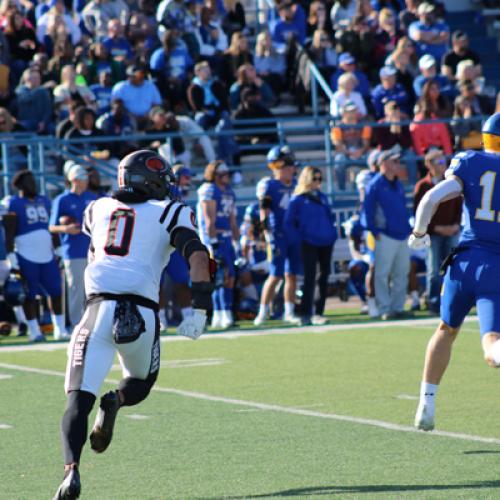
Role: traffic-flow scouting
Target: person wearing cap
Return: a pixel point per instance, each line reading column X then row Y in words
column 394, row 134
column 389, row 90
column 347, row 63
column 219, row 231
column 386, row 217
column 459, row 51
column 444, row 227
column 138, row 93
column 351, row 142
column 428, row 71
column 66, row 221
column 430, row 35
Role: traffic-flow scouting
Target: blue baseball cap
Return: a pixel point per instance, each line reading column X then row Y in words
column 346, row 58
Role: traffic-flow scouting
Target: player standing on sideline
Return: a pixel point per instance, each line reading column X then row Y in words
column 219, row 230
column 132, row 236
column 30, row 251
column 274, row 195
column 473, row 267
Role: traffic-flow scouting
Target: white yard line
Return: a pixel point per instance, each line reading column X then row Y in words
column 235, row 334
column 281, row 409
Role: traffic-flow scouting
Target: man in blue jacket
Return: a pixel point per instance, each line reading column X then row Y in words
column 386, row 218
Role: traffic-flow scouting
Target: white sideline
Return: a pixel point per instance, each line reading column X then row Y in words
column 235, row 334
column 281, row 409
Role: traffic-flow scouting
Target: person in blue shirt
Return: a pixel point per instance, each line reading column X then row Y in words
column 347, row 63
column 472, row 269
column 274, row 194
column 66, row 220
column 309, row 219
column 30, row 252
column 116, row 44
column 102, row 92
column 216, row 213
column 389, row 90
column 291, row 22
column 428, row 69
column 386, row 218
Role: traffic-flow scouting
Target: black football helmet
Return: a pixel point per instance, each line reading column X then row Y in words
column 14, row 290
column 147, row 174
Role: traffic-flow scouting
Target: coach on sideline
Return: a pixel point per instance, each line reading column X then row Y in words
column 387, row 219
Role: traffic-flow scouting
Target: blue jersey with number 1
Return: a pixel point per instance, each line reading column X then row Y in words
column 480, row 175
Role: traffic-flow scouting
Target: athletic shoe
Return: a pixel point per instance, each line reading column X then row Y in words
column 22, row 330
column 388, row 316
column 101, row 434
column 61, row 335
column 292, row 319
column 305, row 321
column 70, row 487
column 38, row 338
column 318, row 320
column 216, row 322
column 373, row 311
column 226, row 320
column 415, row 306
column 259, row 320
column 424, row 418
column 364, row 309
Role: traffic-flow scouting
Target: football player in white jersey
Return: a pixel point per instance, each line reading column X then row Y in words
column 132, row 236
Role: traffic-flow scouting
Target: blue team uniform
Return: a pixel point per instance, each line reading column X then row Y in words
column 287, row 258
column 257, row 252
column 34, row 245
column 472, row 277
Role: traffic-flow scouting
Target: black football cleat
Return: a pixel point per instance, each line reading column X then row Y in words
column 101, row 434
column 70, row 487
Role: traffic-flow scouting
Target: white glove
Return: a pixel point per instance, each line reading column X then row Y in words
column 417, row 243
column 13, row 263
column 194, row 325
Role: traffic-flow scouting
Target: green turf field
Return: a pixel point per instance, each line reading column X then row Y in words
column 298, row 415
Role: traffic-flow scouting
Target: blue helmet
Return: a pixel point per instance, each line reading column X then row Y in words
column 14, row 290
column 279, row 156
column 491, row 133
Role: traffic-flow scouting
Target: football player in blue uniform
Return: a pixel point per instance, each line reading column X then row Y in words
column 30, row 252
column 216, row 213
column 472, row 268
column 274, row 195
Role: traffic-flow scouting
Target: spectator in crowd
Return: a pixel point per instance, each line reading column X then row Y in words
column 395, row 134
column 468, row 105
column 95, row 185
column 99, row 59
column 172, row 65
column 431, row 133
column 459, row 52
column 387, row 35
column 409, row 14
column 216, row 212
column 85, row 127
column 102, row 92
column 56, row 14
column 233, row 18
column 68, row 90
column 97, row 14
column 319, row 20
column 56, row 32
column 444, row 227
column 352, row 143
column 66, row 221
column 346, row 93
column 64, row 54
column 274, row 197
column 143, row 27
column 428, row 70
column 138, row 93
column 116, row 44
column 309, row 220
column 291, row 24
column 389, row 90
column 347, row 64
column 467, row 71
column 33, row 103
column 322, row 54
column 234, row 57
column 206, row 96
column 387, row 219
column 17, row 158
column 247, row 77
column 29, row 246
column 405, row 73
column 270, row 64
column 342, row 12
column 65, row 125
column 211, row 39
column 430, row 35
column 434, row 101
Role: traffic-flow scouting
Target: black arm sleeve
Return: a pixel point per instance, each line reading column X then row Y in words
column 186, row 241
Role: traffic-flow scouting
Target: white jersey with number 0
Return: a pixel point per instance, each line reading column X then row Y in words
column 131, row 244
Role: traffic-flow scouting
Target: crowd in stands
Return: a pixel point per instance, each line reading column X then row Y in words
column 405, row 92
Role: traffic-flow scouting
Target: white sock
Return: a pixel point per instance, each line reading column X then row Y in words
column 163, row 316
column 495, row 352
column 58, row 322
column 250, row 292
column 186, row 312
column 227, row 316
column 428, row 393
column 217, row 316
column 414, row 297
column 20, row 316
column 289, row 308
column 33, row 328
column 263, row 310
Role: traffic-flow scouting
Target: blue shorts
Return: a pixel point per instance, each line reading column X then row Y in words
column 287, row 260
column 226, row 254
column 42, row 279
column 472, row 278
column 178, row 269
column 421, row 265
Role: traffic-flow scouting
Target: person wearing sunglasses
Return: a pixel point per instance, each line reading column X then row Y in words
column 309, row 220
column 444, row 228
